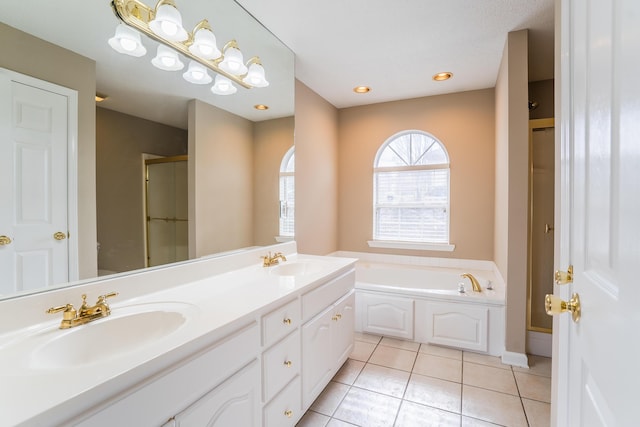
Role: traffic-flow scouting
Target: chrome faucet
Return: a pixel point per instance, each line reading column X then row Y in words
column 85, row 314
column 269, row 260
column 474, row 282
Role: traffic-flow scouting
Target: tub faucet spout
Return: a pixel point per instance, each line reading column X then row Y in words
column 474, row 282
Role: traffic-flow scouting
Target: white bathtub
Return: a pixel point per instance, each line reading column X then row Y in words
column 417, row 301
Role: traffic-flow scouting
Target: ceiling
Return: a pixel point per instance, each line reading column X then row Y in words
column 395, row 47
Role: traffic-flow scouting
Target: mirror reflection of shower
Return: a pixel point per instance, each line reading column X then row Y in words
column 166, row 210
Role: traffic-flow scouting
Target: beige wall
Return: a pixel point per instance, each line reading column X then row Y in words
column 316, row 176
column 272, row 140
column 464, row 123
column 120, row 141
column 54, row 64
column 511, row 205
column 220, row 180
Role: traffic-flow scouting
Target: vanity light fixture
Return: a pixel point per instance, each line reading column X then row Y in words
column 440, row 77
column 361, row 89
column 163, row 23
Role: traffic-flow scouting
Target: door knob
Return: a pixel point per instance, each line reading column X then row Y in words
column 564, row 277
column 554, row 305
column 5, row 240
column 59, row 235
column 547, row 228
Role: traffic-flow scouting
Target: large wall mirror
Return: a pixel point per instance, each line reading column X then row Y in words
column 233, row 149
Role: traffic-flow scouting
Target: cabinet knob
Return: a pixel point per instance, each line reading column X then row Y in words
column 288, row 413
column 287, row 321
column 288, row 363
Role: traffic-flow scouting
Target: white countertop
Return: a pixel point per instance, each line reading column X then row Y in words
column 32, row 392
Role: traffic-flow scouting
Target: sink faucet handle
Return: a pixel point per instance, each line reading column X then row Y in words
column 102, row 298
column 66, row 307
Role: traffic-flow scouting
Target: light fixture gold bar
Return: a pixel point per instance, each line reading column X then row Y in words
column 138, row 15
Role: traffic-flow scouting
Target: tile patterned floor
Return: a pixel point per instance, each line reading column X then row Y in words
column 388, row 382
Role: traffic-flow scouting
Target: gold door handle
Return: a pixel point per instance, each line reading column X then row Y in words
column 547, row 228
column 59, row 235
column 288, row 413
column 5, row 240
column 555, row 305
column 564, row 277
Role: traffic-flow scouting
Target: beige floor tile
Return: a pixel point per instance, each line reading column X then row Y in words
column 366, row 408
column 313, row 419
column 534, row 387
column 434, row 392
column 393, row 358
column 436, row 350
column 492, row 406
column 438, row 367
column 362, row 351
column 474, row 422
column 488, row 377
column 338, row 423
column 403, row 344
column 484, row 359
column 538, row 413
column 330, row 398
column 383, row 380
column 362, row 336
column 416, row 415
column 349, row 371
column 538, row 365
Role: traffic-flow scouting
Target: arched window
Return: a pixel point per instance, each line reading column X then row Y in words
column 287, row 194
column 411, row 190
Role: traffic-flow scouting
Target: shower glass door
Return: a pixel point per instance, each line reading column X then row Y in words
column 166, row 210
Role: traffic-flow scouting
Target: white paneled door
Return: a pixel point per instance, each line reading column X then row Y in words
column 33, row 186
column 596, row 360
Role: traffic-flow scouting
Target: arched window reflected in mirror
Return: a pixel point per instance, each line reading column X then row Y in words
column 287, row 194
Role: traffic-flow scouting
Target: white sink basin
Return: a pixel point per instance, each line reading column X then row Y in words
column 298, row 268
column 127, row 329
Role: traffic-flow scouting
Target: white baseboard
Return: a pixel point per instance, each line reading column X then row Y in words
column 515, row 359
column 539, row 343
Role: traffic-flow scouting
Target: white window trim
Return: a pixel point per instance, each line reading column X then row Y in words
column 395, row 244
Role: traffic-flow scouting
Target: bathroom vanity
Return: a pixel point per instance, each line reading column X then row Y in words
column 219, row 341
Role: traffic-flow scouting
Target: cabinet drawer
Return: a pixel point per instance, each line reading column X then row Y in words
column 325, row 295
column 285, row 409
column 280, row 364
column 280, row 322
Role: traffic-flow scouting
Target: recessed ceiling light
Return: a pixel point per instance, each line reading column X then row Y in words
column 361, row 89
column 100, row 97
column 261, row 107
column 442, row 76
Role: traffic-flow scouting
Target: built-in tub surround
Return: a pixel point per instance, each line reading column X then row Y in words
column 160, row 318
column 420, row 299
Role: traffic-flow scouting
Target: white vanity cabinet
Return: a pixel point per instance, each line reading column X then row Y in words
column 327, row 337
column 233, row 403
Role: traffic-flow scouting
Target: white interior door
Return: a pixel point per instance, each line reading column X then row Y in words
column 33, row 189
column 597, row 367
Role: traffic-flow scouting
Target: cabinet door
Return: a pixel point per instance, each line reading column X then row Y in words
column 343, row 328
column 233, row 403
column 386, row 315
column 317, row 355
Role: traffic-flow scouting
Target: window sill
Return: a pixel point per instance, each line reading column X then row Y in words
column 283, row 239
column 390, row 244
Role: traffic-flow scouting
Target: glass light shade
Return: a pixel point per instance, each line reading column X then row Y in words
column 204, row 45
column 255, row 76
column 223, row 86
column 127, row 40
column 167, row 59
column 168, row 24
column 233, row 62
column 197, row 74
